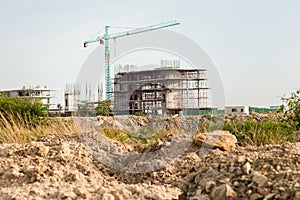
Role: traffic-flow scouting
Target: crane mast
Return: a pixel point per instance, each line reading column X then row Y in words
column 105, row 40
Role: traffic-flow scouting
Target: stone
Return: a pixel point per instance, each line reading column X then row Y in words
column 64, row 148
column 82, row 192
column 66, row 194
column 29, row 170
column 107, row 196
column 297, row 195
column 223, row 192
column 218, row 139
column 200, row 197
column 255, row 196
column 259, row 178
column 13, row 172
column 43, row 151
column 209, row 186
column 269, row 196
column 284, row 196
column 241, row 159
column 263, row 191
column 247, row 168
column 236, row 183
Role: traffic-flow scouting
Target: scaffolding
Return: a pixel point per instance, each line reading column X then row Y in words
column 165, row 90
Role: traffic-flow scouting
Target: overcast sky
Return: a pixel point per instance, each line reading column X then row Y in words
column 255, row 45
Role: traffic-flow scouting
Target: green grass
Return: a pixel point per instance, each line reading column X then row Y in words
column 116, row 134
column 145, row 136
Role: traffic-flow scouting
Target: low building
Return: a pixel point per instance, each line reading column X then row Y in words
column 43, row 94
column 233, row 110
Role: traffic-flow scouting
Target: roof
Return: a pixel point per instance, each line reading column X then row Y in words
column 164, row 69
column 45, row 89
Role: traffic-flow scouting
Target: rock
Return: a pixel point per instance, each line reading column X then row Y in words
column 107, row 196
column 247, row 168
column 269, row 196
column 259, row 178
column 29, row 170
column 263, row 191
column 218, row 139
column 284, row 196
column 66, row 194
column 82, row 192
column 13, row 172
column 43, row 151
column 255, row 196
column 209, row 186
column 223, row 192
column 241, row 159
column 200, row 197
column 297, row 195
column 64, row 148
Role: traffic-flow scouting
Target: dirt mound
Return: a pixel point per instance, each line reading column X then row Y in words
column 61, row 167
column 267, row 172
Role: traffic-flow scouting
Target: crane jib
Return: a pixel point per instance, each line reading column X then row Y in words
column 104, row 40
column 139, row 30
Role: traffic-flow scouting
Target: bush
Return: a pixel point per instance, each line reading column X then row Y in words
column 103, row 108
column 251, row 132
column 23, row 120
column 291, row 108
column 17, row 107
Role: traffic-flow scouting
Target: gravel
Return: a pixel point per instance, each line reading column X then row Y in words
column 61, row 167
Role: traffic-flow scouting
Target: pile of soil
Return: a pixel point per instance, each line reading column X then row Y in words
column 62, row 167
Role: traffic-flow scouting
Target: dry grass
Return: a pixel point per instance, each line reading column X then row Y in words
column 22, row 130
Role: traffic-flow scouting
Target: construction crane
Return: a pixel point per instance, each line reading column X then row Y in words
column 106, row 37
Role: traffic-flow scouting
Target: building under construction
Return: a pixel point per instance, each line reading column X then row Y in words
column 164, row 90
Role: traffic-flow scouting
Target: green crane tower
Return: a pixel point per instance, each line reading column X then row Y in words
column 106, row 37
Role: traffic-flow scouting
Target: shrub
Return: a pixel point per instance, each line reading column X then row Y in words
column 252, row 130
column 258, row 133
column 291, row 108
column 103, row 108
column 17, row 107
column 24, row 120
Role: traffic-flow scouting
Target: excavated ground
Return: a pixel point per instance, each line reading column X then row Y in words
column 61, row 167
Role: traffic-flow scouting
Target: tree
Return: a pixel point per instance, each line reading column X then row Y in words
column 291, row 108
column 103, row 108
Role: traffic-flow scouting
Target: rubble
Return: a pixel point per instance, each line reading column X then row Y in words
column 62, row 167
column 218, row 139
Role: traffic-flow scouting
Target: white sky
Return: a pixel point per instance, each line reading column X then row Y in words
column 254, row 44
